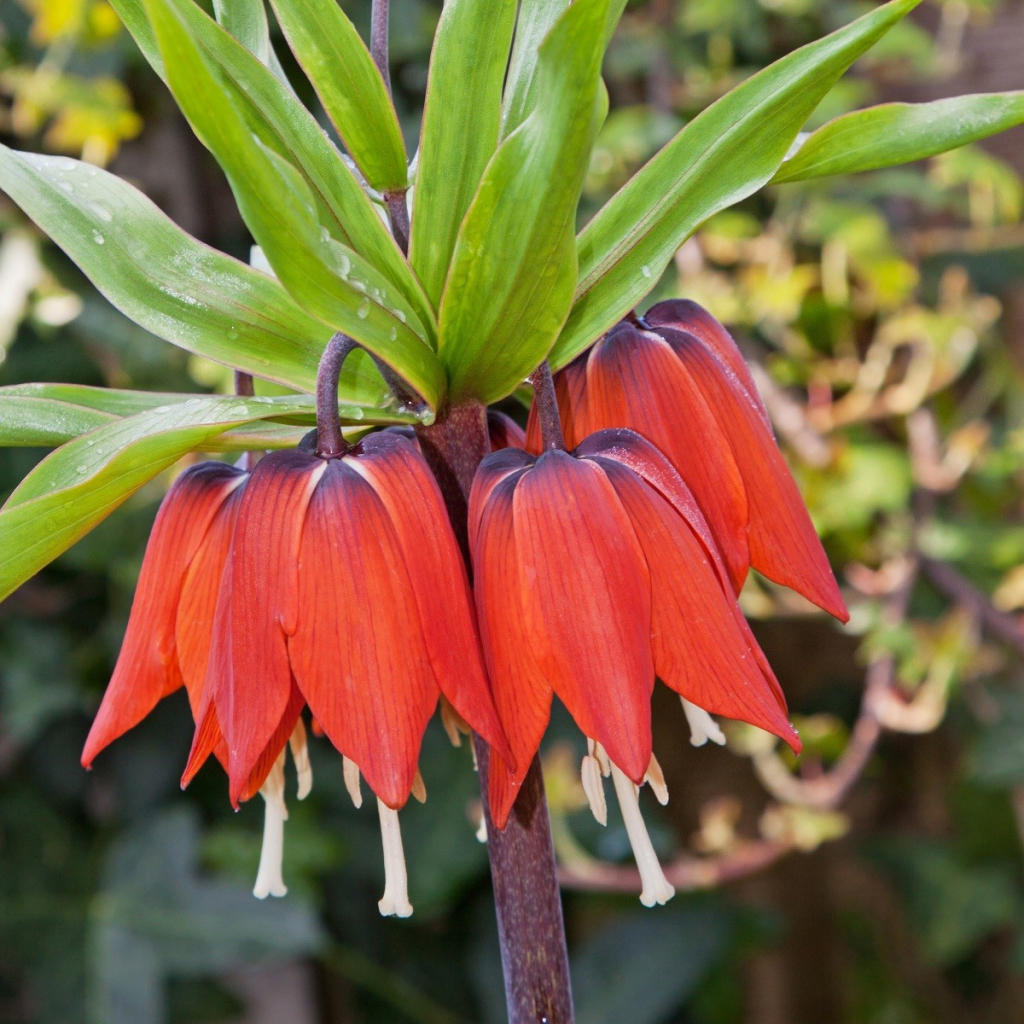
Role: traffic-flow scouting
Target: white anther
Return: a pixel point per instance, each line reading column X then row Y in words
column 269, row 877
column 597, row 751
column 702, row 726
column 593, row 786
column 655, row 887
column 655, row 778
column 395, row 901
column 453, row 723
column 481, row 829
column 351, row 772
column 300, row 755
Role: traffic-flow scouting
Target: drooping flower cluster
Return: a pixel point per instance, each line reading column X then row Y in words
column 335, row 582
column 329, row 582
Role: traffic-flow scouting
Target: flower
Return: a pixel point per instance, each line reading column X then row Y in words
column 594, row 572
column 504, row 431
column 680, row 381
column 339, row 586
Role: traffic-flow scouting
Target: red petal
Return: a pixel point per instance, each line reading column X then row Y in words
column 249, row 668
column 404, row 484
column 635, row 380
column 522, row 694
column 358, row 652
column 685, row 315
column 587, row 600
column 147, row 668
column 783, row 542
column 504, row 431
column 703, row 647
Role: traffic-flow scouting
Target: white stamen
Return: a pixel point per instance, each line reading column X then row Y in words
column 269, row 878
column 702, row 726
column 419, row 788
column 597, row 751
column 351, row 772
column 395, row 901
column 453, row 723
column 593, row 786
column 656, row 888
column 300, row 755
column 655, row 778
column 481, row 829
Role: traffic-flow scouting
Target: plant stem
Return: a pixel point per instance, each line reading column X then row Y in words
column 398, row 211
column 330, row 443
column 379, row 39
column 547, row 408
column 523, row 870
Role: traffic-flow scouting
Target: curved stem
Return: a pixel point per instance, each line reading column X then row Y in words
column 547, row 408
column 379, row 39
column 329, row 440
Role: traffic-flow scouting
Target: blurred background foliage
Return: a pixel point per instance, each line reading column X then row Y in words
column 878, row 881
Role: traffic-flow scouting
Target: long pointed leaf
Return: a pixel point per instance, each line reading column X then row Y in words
column 79, row 484
column 161, row 277
column 340, row 68
column 729, row 151
column 898, row 133
column 332, row 282
column 513, row 269
column 461, row 120
column 282, row 124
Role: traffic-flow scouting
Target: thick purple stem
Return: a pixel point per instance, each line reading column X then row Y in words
column 330, row 443
column 523, row 869
column 379, row 39
column 547, row 408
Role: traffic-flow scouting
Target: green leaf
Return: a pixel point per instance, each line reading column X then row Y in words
column 281, row 122
column 343, row 73
column 246, row 21
column 536, row 18
column 82, row 482
column 461, row 120
column 898, row 133
column 45, row 422
column 723, row 155
column 514, row 266
column 331, row 281
column 161, row 277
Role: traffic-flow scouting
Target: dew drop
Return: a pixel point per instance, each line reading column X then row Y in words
column 66, row 186
column 645, row 270
column 81, row 470
column 364, row 309
column 393, row 333
column 97, row 237
column 400, row 315
column 101, row 211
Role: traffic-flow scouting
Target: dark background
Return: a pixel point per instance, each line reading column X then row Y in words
column 888, row 314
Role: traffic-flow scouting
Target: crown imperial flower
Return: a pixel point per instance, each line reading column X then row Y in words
column 681, row 382
column 595, row 571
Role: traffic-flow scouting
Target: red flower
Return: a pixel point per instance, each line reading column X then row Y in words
column 336, row 583
column 682, row 383
column 594, row 572
column 504, row 431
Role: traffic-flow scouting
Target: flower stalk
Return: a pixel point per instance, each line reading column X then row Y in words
column 330, row 443
column 546, row 403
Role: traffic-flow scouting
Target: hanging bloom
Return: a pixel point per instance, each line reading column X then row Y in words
column 594, row 572
column 343, row 590
column 335, row 583
column 681, row 382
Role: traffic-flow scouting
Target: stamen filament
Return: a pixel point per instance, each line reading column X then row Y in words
column 351, row 772
column 269, row 877
column 300, row 755
column 656, row 888
column 593, row 786
column 395, row 901
column 702, row 726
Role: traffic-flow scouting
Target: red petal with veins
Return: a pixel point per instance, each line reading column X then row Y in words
column 250, row 673
column 504, row 431
column 783, row 542
column 634, row 379
column 685, row 315
column 521, row 692
column 703, row 647
column 358, row 652
column 586, row 595
column 147, row 667
column 404, row 484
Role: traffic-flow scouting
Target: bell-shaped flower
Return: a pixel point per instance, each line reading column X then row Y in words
column 594, row 572
column 344, row 590
column 681, row 382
